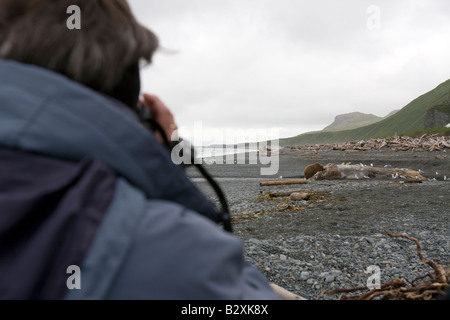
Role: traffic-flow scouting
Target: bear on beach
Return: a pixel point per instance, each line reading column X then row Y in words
column 312, row 169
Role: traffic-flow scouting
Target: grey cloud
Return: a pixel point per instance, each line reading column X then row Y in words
column 290, row 62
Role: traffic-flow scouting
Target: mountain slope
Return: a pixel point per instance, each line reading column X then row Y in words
column 410, row 118
column 352, row 120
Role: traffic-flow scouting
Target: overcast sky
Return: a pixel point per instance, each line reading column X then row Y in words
column 292, row 65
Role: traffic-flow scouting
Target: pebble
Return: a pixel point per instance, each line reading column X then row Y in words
column 304, row 275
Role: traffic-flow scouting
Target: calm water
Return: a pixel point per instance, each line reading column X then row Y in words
column 211, row 152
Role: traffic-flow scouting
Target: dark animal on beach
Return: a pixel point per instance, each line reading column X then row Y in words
column 312, row 169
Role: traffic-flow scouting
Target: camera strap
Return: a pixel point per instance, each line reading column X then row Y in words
column 147, row 119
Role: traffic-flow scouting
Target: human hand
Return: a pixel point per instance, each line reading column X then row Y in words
column 162, row 115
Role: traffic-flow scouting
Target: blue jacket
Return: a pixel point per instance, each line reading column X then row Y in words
column 83, row 184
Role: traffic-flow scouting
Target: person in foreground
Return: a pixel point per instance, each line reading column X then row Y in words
column 92, row 206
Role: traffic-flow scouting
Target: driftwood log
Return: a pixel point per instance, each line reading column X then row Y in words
column 282, row 182
column 285, row 294
column 430, row 143
column 279, row 194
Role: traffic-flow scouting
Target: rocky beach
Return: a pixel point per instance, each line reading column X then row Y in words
column 335, row 237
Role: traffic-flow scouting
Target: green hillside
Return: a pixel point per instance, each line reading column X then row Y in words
column 408, row 119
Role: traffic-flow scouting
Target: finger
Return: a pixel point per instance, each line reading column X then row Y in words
column 157, row 106
column 161, row 113
column 153, row 102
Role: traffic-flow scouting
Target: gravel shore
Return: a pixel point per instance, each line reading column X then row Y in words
column 330, row 240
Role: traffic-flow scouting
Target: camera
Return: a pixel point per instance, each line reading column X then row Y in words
column 146, row 118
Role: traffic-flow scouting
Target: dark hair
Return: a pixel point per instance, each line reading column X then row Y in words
column 109, row 43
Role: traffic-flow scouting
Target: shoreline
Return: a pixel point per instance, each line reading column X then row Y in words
column 329, row 241
column 292, row 163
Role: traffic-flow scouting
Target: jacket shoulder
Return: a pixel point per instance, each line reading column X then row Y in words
column 154, row 249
